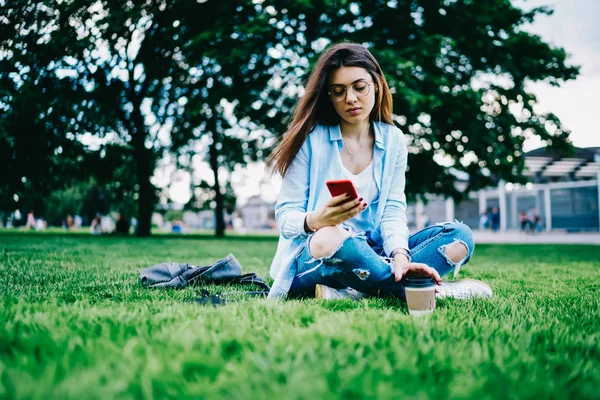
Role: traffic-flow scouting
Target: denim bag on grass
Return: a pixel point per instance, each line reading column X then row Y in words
column 225, row 271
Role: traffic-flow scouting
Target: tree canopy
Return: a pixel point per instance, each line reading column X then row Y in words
column 458, row 71
column 158, row 77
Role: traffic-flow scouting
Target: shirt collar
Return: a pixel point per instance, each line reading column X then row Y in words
column 335, row 133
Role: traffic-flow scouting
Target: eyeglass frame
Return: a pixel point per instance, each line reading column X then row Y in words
column 352, row 86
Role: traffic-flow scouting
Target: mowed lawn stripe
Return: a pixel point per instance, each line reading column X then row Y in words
column 75, row 323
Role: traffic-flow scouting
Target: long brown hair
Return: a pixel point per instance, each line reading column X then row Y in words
column 315, row 107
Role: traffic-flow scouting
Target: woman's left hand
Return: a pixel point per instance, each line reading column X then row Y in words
column 402, row 267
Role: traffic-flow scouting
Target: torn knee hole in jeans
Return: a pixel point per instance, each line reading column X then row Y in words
column 329, row 258
column 362, row 274
column 455, row 264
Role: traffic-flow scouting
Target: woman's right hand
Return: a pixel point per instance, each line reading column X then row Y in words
column 333, row 212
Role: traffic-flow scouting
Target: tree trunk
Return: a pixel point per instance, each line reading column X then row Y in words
column 219, row 199
column 145, row 168
column 146, row 199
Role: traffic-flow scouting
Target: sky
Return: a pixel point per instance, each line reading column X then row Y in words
column 573, row 26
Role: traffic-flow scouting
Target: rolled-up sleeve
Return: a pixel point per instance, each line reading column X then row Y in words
column 291, row 206
column 394, row 227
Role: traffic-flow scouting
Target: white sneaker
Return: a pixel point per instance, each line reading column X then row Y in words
column 464, row 289
column 329, row 293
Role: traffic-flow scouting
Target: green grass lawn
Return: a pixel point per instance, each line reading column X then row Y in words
column 75, row 323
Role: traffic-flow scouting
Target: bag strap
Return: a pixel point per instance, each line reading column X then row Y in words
column 253, row 279
column 246, row 279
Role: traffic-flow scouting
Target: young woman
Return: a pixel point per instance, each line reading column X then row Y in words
column 342, row 128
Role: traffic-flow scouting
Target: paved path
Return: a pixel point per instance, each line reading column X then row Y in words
column 544, row 237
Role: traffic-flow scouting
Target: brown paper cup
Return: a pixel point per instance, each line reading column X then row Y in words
column 420, row 300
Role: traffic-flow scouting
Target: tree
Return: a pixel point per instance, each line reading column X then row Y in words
column 35, row 111
column 64, row 202
column 203, row 195
column 458, row 71
column 228, row 93
column 158, row 66
column 158, row 76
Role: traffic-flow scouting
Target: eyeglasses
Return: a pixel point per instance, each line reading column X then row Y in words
column 360, row 89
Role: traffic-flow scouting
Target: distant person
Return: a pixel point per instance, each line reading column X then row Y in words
column 177, row 226
column 534, row 220
column 238, row 224
column 30, row 224
column 69, row 223
column 495, row 219
column 122, row 225
column 40, row 224
column 108, row 225
column 523, row 221
column 96, row 225
column 484, row 221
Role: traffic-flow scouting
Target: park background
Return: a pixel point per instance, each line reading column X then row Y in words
column 157, row 109
column 191, row 136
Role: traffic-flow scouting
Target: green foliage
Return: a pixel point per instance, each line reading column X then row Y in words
column 64, row 202
column 36, row 109
column 173, row 215
column 455, row 68
column 75, row 323
column 126, row 71
column 45, row 107
column 113, row 169
column 122, row 59
column 204, row 194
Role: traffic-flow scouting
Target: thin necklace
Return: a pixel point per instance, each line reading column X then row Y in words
column 353, row 154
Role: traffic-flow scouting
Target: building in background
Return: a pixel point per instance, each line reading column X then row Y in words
column 258, row 214
column 563, row 191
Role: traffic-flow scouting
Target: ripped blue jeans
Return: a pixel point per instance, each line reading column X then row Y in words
column 362, row 264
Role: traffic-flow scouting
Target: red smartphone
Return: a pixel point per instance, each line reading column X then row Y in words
column 341, row 186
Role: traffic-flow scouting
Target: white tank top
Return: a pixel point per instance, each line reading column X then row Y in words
column 366, row 188
column 364, row 183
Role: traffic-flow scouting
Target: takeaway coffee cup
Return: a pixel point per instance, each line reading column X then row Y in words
column 420, row 294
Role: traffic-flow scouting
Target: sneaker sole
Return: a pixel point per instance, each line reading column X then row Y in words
column 489, row 290
column 320, row 291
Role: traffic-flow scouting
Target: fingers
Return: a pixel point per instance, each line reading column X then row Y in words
column 338, row 200
column 356, row 209
column 350, row 205
column 350, row 208
column 421, row 269
column 436, row 276
column 399, row 273
column 344, row 202
column 339, row 213
column 426, row 270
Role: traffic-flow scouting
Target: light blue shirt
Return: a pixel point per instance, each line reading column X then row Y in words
column 303, row 190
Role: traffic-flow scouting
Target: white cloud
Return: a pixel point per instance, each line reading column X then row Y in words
column 574, row 27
